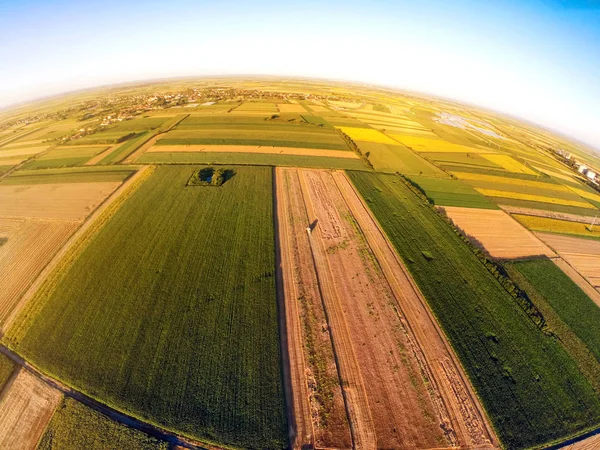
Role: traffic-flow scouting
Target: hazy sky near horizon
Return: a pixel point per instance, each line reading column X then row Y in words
column 536, row 59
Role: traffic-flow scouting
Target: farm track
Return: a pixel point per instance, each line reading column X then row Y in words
column 455, row 396
column 79, row 237
column 55, row 385
column 100, row 156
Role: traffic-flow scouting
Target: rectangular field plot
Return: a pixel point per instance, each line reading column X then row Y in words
column 398, row 378
column 581, row 253
column 26, row 406
column 252, row 149
column 435, row 145
column 509, row 163
column 76, row 426
column 452, row 193
column 252, row 158
column 535, row 198
column 397, row 158
column 552, row 225
column 367, row 135
column 65, row 157
column 497, row 233
column 179, row 323
column 531, row 387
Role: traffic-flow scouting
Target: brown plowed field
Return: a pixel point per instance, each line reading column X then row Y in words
column 498, row 233
column 30, row 246
column 582, row 254
column 26, row 406
column 401, row 383
column 58, row 201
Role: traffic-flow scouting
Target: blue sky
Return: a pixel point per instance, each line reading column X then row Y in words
column 535, row 59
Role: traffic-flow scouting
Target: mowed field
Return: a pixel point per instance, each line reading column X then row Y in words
column 497, row 233
column 26, row 406
column 581, row 253
column 194, row 350
column 401, row 386
column 530, row 386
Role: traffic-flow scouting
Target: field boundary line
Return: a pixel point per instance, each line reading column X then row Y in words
column 69, row 251
column 114, row 414
column 476, row 401
column 287, row 332
column 362, row 431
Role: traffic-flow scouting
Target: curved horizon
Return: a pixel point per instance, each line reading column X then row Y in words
column 535, row 60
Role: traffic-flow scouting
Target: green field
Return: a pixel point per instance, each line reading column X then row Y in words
column 6, row 369
column 86, row 174
column 64, row 157
column 452, row 193
column 531, row 388
column 77, row 427
column 127, row 148
column 179, row 323
column 397, row 158
column 265, row 159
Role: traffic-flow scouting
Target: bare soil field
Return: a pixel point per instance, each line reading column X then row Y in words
column 318, row 416
column 30, row 245
column 496, row 232
column 582, row 254
column 253, row 149
column 548, row 214
column 288, row 108
column 401, row 384
column 26, row 407
column 591, row 443
column 58, row 201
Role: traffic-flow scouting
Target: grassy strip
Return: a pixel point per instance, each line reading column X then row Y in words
column 531, row 388
column 195, row 351
column 127, row 148
column 73, row 175
column 76, row 426
column 318, row 162
column 254, row 142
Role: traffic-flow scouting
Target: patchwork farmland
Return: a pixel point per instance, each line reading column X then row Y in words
column 356, row 268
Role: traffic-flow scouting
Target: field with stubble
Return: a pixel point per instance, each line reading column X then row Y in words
column 400, row 382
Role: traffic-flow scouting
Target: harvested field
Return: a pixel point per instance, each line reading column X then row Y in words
column 291, row 108
column 401, row 384
column 30, row 245
column 319, row 415
column 252, row 149
column 591, row 443
column 583, row 254
column 497, row 232
column 58, row 201
column 26, row 406
column 546, row 213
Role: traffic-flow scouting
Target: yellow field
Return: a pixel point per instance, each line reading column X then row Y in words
column 506, row 180
column 290, row 108
column 509, row 163
column 367, row 135
column 347, row 105
column 557, row 226
column 426, row 144
column 533, row 198
column 585, row 194
column 317, row 108
column 554, row 174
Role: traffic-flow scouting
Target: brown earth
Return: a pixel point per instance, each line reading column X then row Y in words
column 582, row 254
column 58, row 201
column 254, row 149
column 26, row 407
column 30, row 246
column 497, row 232
column 401, row 383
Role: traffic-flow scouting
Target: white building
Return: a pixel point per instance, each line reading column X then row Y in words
column 590, row 174
column 581, row 169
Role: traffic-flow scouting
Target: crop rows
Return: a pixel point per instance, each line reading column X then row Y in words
column 179, row 323
column 531, row 388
